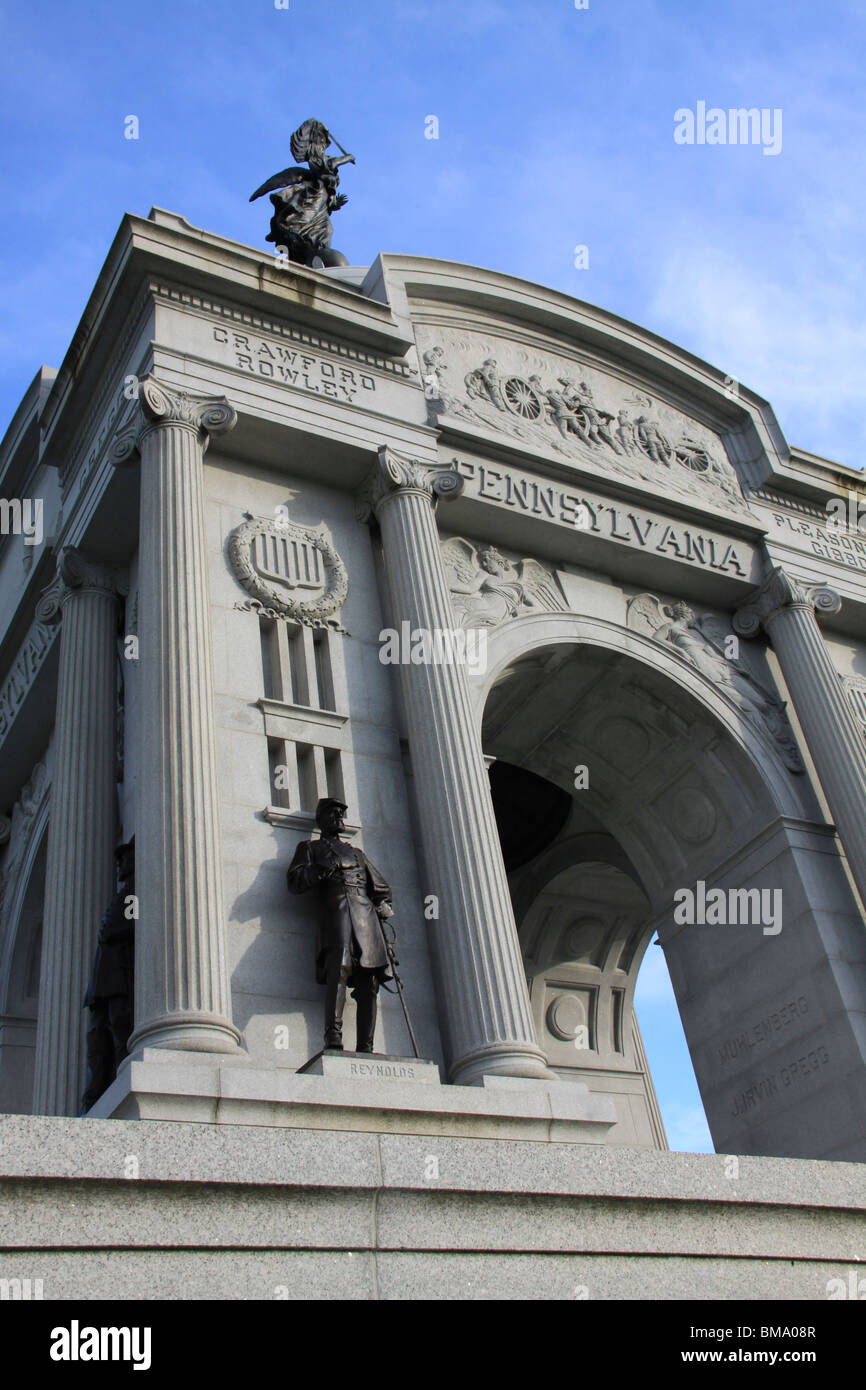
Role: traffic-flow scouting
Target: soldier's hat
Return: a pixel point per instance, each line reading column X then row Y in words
column 328, row 803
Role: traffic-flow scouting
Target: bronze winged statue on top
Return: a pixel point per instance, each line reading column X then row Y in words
column 301, row 222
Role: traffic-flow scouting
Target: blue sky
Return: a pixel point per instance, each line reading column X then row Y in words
column 555, row 130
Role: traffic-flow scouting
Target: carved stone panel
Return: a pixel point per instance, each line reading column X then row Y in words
column 20, row 826
column 710, row 645
column 553, row 403
column 291, row 571
column 486, row 588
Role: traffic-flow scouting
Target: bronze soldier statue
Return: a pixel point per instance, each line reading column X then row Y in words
column 110, row 991
column 351, row 948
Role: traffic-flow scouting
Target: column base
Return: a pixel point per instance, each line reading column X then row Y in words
column 500, row 1059
column 188, row 1032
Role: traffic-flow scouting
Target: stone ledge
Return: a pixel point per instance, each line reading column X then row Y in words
column 402, row 1276
column 63, row 1214
column 54, row 1147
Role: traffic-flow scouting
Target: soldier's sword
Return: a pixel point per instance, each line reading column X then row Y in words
column 398, row 982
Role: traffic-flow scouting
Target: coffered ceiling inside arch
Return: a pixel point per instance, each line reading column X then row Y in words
column 663, row 777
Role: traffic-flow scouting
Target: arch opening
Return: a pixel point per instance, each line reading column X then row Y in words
column 663, row 796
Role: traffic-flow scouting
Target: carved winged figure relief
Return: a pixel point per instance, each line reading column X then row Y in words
column 486, row 588
column 704, row 640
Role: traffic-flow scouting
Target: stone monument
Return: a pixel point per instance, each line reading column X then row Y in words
column 526, row 607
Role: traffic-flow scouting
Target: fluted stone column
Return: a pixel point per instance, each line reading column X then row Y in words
column 785, row 608
column 79, row 879
column 182, row 997
column 481, row 984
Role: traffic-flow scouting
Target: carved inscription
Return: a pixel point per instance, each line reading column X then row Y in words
column 384, row 1070
column 830, row 544
column 790, row 1075
column 24, row 669
column 269, row 358
column 630, row 526
column 741, row 1046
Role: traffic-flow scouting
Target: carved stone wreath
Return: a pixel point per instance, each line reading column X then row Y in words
column 291, row 571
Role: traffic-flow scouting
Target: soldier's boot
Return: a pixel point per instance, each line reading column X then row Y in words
column 335, row 998
column 366, row 1016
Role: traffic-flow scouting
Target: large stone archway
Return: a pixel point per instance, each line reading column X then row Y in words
column 680, row 789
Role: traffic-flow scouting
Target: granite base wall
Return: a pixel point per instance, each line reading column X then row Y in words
column 127, row 1210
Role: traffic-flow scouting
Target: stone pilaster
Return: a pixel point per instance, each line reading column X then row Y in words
column 786, row 608
column 483, row 1000
column 80, row 870
column 182, row 997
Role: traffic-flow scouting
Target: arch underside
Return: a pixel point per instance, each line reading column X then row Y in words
column 671, row 785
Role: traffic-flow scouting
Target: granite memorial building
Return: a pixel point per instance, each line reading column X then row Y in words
column 551, row 606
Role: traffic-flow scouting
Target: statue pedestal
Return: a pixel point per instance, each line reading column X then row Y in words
column 373, row 1066
column 380, row 1096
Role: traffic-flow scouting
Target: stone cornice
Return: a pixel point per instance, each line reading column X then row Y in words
column 792, row 504
column 107, row 404
column 779, row 593
column 225, row 310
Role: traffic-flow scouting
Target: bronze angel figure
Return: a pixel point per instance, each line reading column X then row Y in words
column 301, row 221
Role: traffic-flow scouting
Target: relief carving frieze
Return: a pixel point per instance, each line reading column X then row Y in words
column 708, row 643
column 551, row 403
column 486, row 588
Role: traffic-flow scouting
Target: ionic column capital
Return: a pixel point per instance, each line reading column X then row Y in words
column 779, row 593
column 160, row 407
column 76, row 573
column 394, row 475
